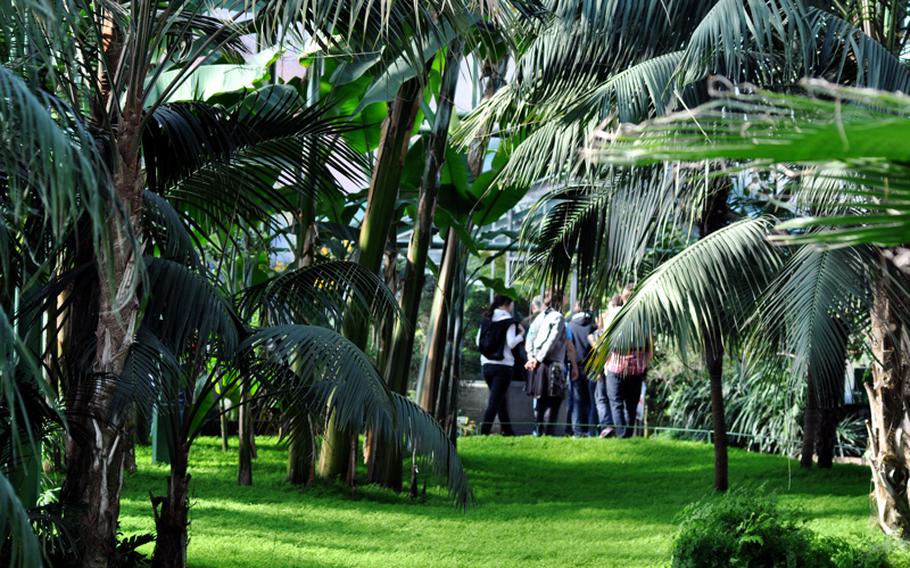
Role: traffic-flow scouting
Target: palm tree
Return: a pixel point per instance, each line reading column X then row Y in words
column 131, row 171
column 601, row 64
column 846, row 150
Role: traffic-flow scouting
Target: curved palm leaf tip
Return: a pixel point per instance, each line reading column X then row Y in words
column 709, row 286
column 320, row 295
column 46, row 155
column 317, row 368
column 187, row 321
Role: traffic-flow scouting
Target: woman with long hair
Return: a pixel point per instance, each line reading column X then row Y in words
column 499, row 334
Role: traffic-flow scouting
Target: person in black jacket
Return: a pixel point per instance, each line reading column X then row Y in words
column 498, row 335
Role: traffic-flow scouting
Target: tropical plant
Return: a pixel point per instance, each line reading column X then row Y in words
column 853, row 189
column 597, row 65
column 105, row 244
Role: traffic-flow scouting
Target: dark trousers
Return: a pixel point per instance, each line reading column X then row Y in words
column 579, row 405
column 498, row 378
column 546, row 415
column 602, row 403
column 624, row 393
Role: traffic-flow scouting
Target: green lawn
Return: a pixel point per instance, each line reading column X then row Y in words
column 541, row 502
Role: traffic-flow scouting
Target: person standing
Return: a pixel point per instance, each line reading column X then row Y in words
column 601, row 398
column 580, row 327
column 625, row 376
column 497, row 337
column 546, row 363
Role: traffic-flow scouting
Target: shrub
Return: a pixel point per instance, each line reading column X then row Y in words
column 741, row 530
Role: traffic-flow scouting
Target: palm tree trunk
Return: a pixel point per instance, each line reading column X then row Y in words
column 714, row 363
column 716, row 215
column 172, row 515
column 223, row 422
column 419, row 245
column 437, row 336
column 889, row 402
column 245, row 435
column 810, row 424
column 301, row 453
column 826, row 441
column 96, row 444
column 301, row 450
column 334, row 460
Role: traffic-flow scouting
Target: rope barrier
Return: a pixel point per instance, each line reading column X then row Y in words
column 705, row 431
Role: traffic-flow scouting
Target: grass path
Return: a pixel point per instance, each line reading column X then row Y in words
column 541, row 502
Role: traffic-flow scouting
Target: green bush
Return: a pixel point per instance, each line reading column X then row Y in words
column 744, row 531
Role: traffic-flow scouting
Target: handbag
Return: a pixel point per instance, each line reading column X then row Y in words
column 556, row 380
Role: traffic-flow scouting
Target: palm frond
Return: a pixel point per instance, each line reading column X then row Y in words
column 762, row 41
column 47, row 159
column 165, row 228
column 317, row 368
column 184, row 310
column 848, row 54
column 807, row 313
column 869, row 130
column 320, row 295
column 698, row 291
column 627, row 210
column 17, row 536
column 221, row 168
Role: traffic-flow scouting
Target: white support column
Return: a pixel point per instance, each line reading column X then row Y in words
column 573, row 289
column 493, row 276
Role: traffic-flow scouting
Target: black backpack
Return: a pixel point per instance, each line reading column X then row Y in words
column 492, row 340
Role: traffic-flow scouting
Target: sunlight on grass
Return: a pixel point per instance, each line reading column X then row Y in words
column 540, row 502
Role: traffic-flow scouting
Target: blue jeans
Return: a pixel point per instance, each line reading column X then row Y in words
column 593, row 413
column 579, row 405
column 624, row 393
column 602, row 402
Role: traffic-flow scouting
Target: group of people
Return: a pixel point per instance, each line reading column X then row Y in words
column 551, row 352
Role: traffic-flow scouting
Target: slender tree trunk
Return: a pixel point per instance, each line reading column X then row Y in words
column 715, row 216
column 388, row 472
column 810, row 424
column 223, row 422
column 889, row 402
column 714, row 363
column 827, row 436
column 493, row 78
column 396, row 133
column 437, row 334
column 418, row 248
column 172, row 515
column 245, row 435
column 301, row 448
